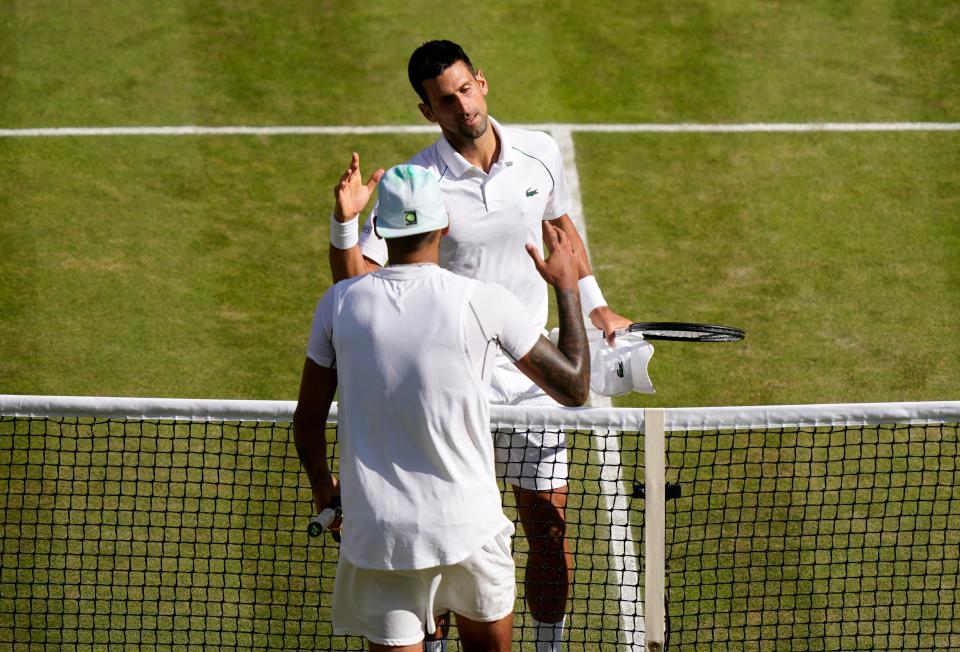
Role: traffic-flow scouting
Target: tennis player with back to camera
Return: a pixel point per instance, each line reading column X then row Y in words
column 499, row 184
column 408, row 347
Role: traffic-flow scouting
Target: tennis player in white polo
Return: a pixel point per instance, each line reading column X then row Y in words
column 408, row 346
column 499, row 185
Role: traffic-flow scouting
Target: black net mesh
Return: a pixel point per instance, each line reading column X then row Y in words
column 814, row 539
column 170, row 535
column 161, row 534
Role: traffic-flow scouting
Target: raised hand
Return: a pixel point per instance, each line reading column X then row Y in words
column 351, row 193
column 561, row 268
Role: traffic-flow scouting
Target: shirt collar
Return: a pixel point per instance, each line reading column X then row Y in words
column 459, row 166
column 402, row 271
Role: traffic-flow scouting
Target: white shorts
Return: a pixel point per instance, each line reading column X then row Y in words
column 529, row 459
column 396, row 607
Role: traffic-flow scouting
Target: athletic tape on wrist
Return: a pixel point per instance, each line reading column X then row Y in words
column 344, row 235
column 590, row 295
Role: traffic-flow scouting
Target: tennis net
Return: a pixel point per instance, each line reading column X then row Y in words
column 179, row 524
column 830, row 527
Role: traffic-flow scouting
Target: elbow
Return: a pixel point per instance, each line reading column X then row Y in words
column 573, row 401
column 577, row 388
column 575, row 396
column 582, row 384
column 581, row 398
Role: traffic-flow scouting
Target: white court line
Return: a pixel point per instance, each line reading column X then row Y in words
column 623, row 549
column 757, row 127
column 332, row 130
column 191, row 130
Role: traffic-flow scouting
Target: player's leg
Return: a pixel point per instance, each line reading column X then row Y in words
column 386, row 607
column 534, row 463
column 485, row 637
column 481, row 591
column 549, row 571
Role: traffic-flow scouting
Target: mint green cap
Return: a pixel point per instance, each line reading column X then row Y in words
column 409, row 202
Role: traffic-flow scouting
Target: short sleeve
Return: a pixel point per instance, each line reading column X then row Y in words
column 371, row 246
column 320, row 344
column 558, row 204
column 503, row 318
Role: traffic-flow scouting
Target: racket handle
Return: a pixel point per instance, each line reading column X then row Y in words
column 322, row 521
column 619, row 332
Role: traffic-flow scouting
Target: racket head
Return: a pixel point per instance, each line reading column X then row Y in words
column 674, row 331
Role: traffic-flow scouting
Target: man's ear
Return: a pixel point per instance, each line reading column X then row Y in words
column 482, row 82
column 427, row 112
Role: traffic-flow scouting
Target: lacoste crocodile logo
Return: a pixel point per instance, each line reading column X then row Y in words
column 531, row 192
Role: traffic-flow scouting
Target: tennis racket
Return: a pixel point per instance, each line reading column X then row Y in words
column 683, row 332
column 322, row 521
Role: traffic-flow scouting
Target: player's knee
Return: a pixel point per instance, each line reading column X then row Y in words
column 548, row 537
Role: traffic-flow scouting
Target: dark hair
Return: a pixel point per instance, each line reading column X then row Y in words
column 430, row 60
column 409, row 244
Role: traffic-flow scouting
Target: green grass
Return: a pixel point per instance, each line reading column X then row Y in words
column 147, row 266
column 232, row 62
column 189, row 266
column 838, row 254
column 170, row 267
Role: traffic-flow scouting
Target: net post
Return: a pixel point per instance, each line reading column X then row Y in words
column 655, row 526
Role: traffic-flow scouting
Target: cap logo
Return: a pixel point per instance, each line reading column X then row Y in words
column 409, row 218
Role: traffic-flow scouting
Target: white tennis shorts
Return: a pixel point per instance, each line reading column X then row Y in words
column 396, row 607
column 530, row 459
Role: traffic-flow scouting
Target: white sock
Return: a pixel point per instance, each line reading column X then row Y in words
column 439, row 645
column 549, row 635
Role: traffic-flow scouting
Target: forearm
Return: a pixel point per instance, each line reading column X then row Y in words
column 572, row 343
column 310, row 439
column 347, row 263
column 563, row 371
column 317, row 389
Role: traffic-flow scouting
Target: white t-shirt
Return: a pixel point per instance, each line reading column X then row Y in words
column 492, row 216
column 417, row 475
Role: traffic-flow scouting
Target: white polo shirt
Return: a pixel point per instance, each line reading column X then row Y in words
column 492, row 216
column 417, row 475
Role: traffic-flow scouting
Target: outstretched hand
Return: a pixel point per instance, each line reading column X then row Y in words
column 561, row 268
column 351, row 193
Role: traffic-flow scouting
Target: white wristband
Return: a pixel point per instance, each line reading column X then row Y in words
column 344, row 235
column 590, row 295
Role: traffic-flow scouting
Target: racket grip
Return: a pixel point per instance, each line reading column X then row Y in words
column 322, row 521
column 619, row 332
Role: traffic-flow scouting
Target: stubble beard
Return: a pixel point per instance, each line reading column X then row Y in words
column 476, row 131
